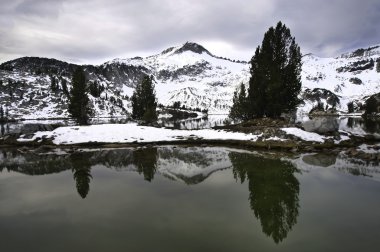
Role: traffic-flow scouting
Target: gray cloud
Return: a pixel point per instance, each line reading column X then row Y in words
column 96, row 30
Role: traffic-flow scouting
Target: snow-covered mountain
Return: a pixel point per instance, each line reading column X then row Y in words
column 188, row 73
column 191, row 75
column 350, row 78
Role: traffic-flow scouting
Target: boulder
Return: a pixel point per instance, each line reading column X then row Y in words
column 321, row 125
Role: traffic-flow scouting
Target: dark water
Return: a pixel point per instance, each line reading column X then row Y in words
column 187, row 199
column 359, row 125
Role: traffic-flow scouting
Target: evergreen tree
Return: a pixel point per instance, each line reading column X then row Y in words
column 275, row 74
column 64, row 87
column 240, row 103
column 53, row 84
column 96, row 89
column 144, row 101
column 2, row 114
column 78, row 104
column 257, row 89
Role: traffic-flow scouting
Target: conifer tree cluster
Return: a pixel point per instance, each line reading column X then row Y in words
column 96, row 89
column 79, row 102
column 144, row 102
column 275, row 76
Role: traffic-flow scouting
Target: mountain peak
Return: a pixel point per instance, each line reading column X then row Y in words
column 192, row 47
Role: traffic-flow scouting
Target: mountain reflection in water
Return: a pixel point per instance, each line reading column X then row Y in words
column 272, row 181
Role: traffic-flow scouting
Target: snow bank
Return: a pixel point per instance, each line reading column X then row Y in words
column 304, row 135
column 129, row 133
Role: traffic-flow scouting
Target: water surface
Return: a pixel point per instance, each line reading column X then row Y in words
column 187, row 199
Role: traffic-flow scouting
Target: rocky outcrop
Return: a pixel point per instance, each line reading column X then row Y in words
column 188, row 70
column 372, row 105
column 360, row 65
column 324, row 100
column 193, row 47
column 321, row 125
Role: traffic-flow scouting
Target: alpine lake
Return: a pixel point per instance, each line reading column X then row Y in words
column 187, row 198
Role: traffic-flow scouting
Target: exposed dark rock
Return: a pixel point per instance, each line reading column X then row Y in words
column 120, row 73
column 193, row 47
column 189, row 70
column 372, row 105
column 361, row 65
column 356, row 81
column 321, row 125
column 322, row 96
column 361, row 52
column 32, row 128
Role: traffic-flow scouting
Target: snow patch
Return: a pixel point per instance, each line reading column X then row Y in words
column 304, row 135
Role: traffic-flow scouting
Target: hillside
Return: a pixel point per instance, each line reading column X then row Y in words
column 188, row 73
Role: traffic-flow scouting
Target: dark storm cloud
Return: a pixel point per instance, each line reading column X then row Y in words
column 96, row 30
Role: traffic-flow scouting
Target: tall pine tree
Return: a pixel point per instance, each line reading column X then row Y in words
column 79, row 102
column 144, row 102
column 275, row 74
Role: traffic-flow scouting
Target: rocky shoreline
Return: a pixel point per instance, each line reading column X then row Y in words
column 270, row 135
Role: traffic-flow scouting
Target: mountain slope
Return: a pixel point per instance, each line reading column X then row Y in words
column 352, row 77
column 188, row 73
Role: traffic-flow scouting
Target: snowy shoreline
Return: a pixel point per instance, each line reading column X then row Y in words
column 135, row 134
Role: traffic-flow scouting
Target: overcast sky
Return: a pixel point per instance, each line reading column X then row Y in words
column 93, row 31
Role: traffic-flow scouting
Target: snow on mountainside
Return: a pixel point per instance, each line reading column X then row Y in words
column 352, row 77
column 189, row 74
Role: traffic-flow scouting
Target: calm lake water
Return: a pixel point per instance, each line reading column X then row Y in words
column 187, row 199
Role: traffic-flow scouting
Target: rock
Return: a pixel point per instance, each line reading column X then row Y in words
column 320, row 159
column 309, row 148
column 321, row 125
column 32, row 128
column 294, row 150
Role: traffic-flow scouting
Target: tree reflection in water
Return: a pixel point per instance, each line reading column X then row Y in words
column 146, row 162
column 81, row 169
column 273, row 191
